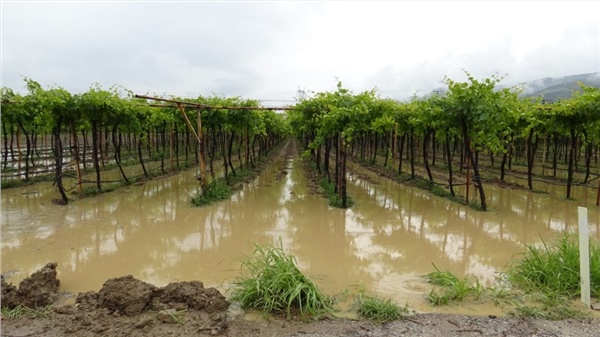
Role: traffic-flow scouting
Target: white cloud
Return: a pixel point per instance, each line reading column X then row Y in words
column 266, row 50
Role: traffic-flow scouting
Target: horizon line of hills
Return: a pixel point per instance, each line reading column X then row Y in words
column 551, row 88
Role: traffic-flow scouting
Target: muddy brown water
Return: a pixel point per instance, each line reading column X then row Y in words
column 383, row 244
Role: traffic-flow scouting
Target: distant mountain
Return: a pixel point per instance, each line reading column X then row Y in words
column 550, row 88
column 555, row 88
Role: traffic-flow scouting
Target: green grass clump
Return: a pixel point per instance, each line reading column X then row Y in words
column 554, row 268
column 334, row 199
column 216, row 191
column 451, row 288
column 380, row 310
column 11, row 183
column 540, row 284
column 276, row 285
column 219, row 189
column 92, row 191
column 23, row 311
column 545, row 307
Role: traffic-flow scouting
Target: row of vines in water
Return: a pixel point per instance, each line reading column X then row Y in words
column 473, row 126
column 102, row 127
column 471, row 123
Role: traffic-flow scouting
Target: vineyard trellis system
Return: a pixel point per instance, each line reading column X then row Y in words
column 127, row 130
column 471, row 121
column 180, row 105
column 474, row 133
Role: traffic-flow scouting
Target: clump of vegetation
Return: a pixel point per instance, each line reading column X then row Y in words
column 219, row 189
column 334, row 199
column 451, row 288
column 435, row 189
column 541, row 284
column 216, row 191
column 540, row 305
column 554, row 268
column 548, row 278
column 274, row 284
column 380, row 310
column 23, row 311
column 11, row 183
column 92, row 191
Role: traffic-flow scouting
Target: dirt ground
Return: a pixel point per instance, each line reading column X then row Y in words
column 126, row 306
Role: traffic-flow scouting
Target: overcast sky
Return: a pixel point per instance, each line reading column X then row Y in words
column 267, row 50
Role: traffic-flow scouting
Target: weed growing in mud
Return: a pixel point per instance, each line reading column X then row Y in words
column 11, row 183
column 276, row 285
column 217, row 191
column 334, row 199
column 541, row 305
column 380, row 310
column 436, row 190
column 541, row 283
column 451, row 288
column 92, row 191
column 548, row 275
column 554, row 269
column 23, row 311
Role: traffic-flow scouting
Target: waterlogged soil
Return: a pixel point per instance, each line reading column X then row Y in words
column 126, row 306
column 150, row 231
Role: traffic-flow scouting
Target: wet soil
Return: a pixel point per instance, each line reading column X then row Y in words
column 126, row 306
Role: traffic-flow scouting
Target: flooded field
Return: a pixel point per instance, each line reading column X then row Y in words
column 383, row 244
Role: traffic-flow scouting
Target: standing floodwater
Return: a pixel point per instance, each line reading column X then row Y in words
column 384, row 243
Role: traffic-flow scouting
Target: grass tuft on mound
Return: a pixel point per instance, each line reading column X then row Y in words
column 274, row 284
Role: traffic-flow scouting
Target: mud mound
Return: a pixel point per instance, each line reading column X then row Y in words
column 189, row 295
column 38, row 290
column 129, row 296
column 126, row 295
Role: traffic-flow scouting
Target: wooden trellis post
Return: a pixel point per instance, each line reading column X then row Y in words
column 201, row 145
column 199, row 138
column 179, row 105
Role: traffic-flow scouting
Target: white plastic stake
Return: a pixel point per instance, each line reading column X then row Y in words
column 584, row 256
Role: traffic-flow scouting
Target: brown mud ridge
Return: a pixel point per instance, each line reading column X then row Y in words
column 126, row 306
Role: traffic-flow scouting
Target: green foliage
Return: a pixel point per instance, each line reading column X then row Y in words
column 216, row 191
column 92, row 191
column 451, row 288
column 219, row 190
column 274, row 284
column 545, row 306
column 334, row 199
column 554, row 268
column 23, row 311
column 11, row 183
column 541, row 283
column 380, row 310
